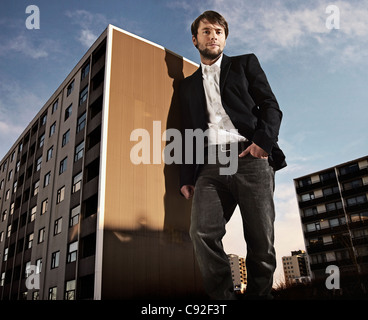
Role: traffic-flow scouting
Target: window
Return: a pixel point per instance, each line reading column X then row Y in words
column 1, row 184
column 79, row 151
column 41, row 235
column 329, row 191
column 6, row 251
column 52, row 129
column 29, row 240
column 356, row 200
column 32, row 216
column 313, row 226
column 81, row 122
column 38, row 266
column 43, row 119
column 36, row 186
column 27, row 269
column 15, row 184
column 68, row 112
column 1, row 236
column 38, row 164
column 55, row 258
column 4, row 215
column 52, row 293
column 2, row 279
column 55, row 106
column 85, row 71
column 65, row 139
column 41, row 141
column 60, row 195
column 349, row 169
column 8, row 231
column 310, row 211
column 49, row 153
column 353, row 184
column 10, row 175
column 7, row 194
column 12, row 208
column 46, row 179
column 77, row 182
column 70, row 88
column 83, row 95
column 362, row 216
column 72, row 251
column 44, row 205
column 333, row 206
column 63, row 165
column 36, row 295
column 305, row 182
column 70, row 290
column 57, row 226
column 74, row 216
column 17, row 166
column 307, row 196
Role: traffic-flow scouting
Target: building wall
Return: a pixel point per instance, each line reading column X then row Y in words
column 145, row 247
column 20, row 255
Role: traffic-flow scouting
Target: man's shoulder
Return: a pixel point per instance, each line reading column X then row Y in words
column 244, row 58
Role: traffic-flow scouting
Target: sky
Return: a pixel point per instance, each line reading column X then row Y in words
column 316, row 66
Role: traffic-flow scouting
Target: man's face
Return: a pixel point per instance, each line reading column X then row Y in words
column 210, row 40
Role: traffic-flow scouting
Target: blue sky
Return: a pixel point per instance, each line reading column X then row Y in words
column 318, row 75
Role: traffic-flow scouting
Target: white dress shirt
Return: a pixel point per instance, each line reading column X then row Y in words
column 221, row 128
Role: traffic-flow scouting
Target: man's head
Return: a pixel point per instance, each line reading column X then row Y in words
column 209, row 33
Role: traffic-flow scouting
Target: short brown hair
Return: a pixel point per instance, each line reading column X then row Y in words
column 212, row 17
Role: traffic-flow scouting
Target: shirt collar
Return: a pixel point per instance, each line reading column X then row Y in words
column 215, row 67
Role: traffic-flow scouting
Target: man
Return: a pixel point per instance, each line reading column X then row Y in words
column 227, row 94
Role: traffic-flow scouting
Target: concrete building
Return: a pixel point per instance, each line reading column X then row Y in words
column 334, row 214
column 296, row 267
column 79, row 219
column 238, row 272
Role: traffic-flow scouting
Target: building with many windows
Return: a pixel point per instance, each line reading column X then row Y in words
column 333, row 205
column 238, row 272
column 79, row 219
column 296, row 267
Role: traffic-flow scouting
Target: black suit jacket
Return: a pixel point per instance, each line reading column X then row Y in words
column 248, row 100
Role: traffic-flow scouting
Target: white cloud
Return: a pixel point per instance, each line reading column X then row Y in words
column 91, row 25
column 272, row 29
column 28, row 46
column 17, row 106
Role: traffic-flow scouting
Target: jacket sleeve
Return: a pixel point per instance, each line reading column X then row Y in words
column 269, row 113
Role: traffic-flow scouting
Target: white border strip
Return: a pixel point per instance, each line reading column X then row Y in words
column 102, row 181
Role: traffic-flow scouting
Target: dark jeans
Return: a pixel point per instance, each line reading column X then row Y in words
column 215, row 199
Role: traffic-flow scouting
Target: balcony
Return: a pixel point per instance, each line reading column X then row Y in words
column 324, row 215
column 319, row 200
column 354, row 174
column 316, row 185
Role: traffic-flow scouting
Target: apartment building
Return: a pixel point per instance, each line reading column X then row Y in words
column 79, row 220
column 296, row 267
column 334, row 215
column 238, row 272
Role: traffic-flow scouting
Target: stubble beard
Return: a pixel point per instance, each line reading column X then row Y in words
column 207, row 54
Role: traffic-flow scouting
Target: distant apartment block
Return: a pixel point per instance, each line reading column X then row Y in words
column 334, row 214
column 238, row 272
column 76, row 214
column 296, row 267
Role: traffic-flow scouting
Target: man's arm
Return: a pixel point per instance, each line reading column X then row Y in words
column 270, row 115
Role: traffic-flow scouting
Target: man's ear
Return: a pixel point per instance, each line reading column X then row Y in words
column 195, row 42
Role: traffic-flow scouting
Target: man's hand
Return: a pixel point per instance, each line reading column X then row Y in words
column 255, row 151
column 187, row 191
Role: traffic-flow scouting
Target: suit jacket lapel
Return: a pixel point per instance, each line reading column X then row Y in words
column 225, row 67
